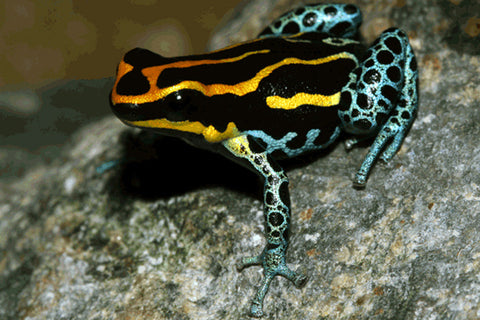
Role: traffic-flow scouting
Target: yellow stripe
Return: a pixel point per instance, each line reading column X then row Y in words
column 210, row 134
column 276, row 102
column 239, row 89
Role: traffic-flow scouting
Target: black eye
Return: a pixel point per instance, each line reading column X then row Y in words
column 178, row 106
column 178, row 100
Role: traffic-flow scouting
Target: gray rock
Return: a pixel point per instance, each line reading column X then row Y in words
column 157, row 235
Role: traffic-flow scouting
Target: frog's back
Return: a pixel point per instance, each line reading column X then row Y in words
column 273, row 86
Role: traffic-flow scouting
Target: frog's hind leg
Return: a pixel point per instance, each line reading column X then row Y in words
column 336, row 20
column 381, row 97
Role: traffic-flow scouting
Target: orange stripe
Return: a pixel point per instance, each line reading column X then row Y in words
column 239, row 89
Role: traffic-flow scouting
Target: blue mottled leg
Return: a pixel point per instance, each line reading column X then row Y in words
column 381, row 98
column 277, row 218
column 337, row 20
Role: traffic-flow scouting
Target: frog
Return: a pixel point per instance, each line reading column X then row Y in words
column 305, row 81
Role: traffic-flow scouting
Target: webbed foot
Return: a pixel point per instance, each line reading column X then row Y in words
column 273, row 263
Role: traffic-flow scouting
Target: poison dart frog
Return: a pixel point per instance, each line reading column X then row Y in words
column 294, row 89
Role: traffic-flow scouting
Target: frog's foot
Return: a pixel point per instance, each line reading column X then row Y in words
column 273, row 264
column 390, row 132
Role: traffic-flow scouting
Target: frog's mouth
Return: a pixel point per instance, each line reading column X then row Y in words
column 210, row 134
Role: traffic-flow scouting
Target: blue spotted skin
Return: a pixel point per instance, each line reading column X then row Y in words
column 338, row 20
column 381, row 97
column 379, row 100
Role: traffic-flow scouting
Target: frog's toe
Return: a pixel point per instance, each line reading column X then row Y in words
column 256, row 310
column 298, row 279
column 360, row 180
column 246, row 262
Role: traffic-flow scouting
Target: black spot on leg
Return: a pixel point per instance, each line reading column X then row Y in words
column 291, row 28
column 362, row 101
column 331, row 11
column 394, row 45
column 265, row 170
column 309, row 19
column 393, row 73
column 276, row 219
column 278, row 24
column 372, row 76
column 346, row 118
column 345, row 101
column 385, row 57
column 269, row 198
column 270, row 180
column 405, row 115
column 390, row 93
column 369, row 63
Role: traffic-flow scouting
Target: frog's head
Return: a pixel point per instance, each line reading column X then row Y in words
column 149, row 93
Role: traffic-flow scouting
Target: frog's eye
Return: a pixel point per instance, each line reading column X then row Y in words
column 178, row 100
column 178, row 106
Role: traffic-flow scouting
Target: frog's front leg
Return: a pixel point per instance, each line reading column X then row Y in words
column 381, row 98
column 277, row 217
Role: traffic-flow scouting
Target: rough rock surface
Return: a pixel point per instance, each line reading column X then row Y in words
column 157, row 235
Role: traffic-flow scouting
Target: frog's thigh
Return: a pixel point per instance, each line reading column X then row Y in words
column 380, row 98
